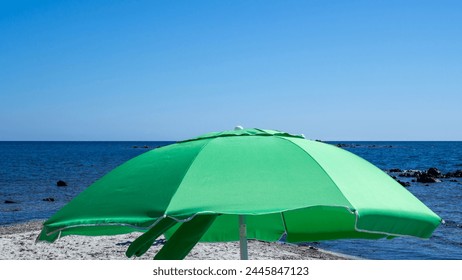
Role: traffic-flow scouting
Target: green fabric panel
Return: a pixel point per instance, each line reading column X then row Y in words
column 140, row 245
column 397, row 222
column 269, row 227
column 370, row 190
column 184, row 238
column 322, row 223
column 253, row 175
column 226, row 228
column 135, row 193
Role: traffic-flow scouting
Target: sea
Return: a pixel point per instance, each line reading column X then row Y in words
column 29, row 172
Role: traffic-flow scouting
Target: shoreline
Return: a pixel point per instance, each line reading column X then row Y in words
column 18, row 243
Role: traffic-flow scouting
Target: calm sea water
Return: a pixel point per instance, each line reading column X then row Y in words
column 29, row 172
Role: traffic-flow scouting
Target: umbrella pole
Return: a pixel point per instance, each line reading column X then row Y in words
column 243, row 238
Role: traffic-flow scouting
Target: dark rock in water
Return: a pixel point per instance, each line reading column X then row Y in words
column 404, row 184
column 457, row 173
column 410, row 173
column 49, row 199
column 434, row 172
column 452, row 224
column 10, row 201
column 61, row 183
column 425, row 178
column 395, row 170
column 429, row 176
column 341, row 145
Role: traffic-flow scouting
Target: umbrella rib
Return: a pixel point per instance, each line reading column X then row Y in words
column 322, row 168
column 186, row 172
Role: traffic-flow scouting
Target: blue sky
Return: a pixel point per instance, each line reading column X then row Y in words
column 169, row 70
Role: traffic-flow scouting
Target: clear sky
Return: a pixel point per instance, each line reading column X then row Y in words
column 169, row 70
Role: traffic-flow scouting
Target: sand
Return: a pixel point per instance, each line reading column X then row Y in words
column 17, row 242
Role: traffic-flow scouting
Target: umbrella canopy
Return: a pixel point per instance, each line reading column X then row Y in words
column 283, row 184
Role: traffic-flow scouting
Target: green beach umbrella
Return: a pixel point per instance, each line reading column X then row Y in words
column 243, row 184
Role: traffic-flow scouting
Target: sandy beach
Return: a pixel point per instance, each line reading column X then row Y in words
column 17, row 242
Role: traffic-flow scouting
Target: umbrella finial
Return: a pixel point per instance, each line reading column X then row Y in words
column 239, row 127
